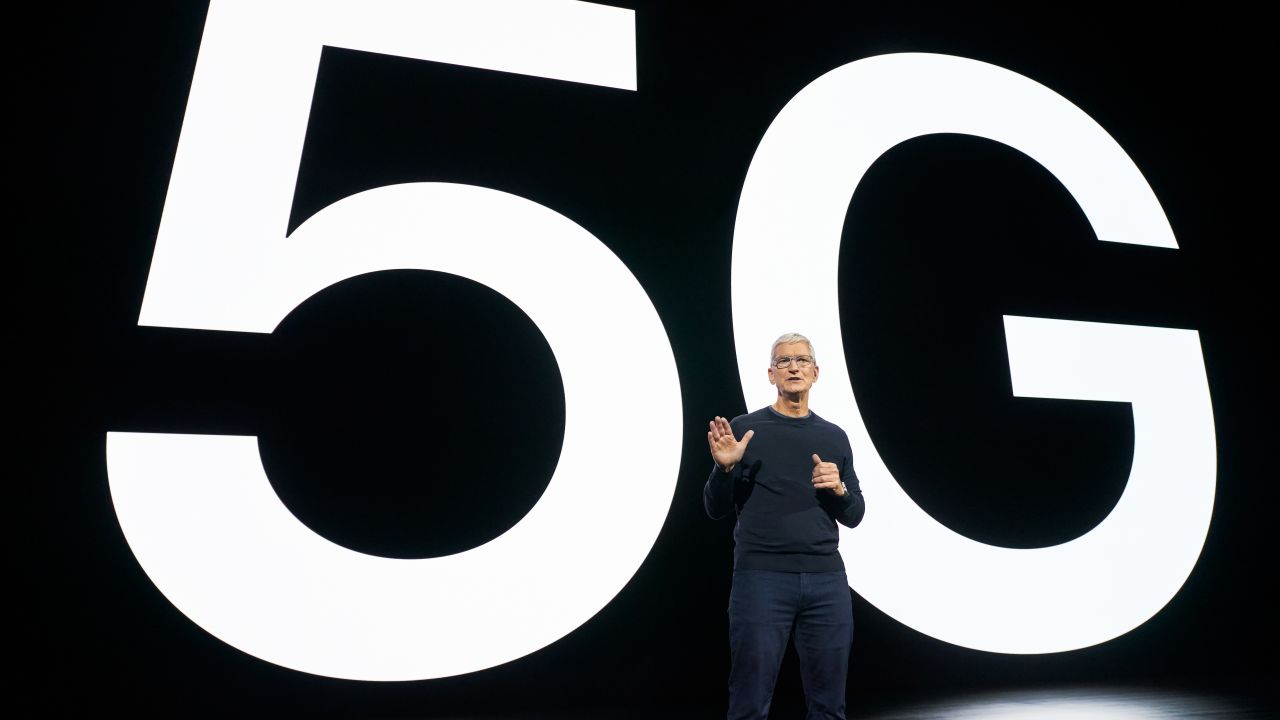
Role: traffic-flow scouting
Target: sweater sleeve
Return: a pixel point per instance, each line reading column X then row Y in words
column 850, row 507
column 717, row 494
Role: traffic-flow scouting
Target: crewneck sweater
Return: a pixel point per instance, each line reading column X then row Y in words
column 784, row 522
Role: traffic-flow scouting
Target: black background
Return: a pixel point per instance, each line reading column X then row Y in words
column 378, row 400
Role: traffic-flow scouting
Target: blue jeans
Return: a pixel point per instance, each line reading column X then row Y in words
column 765, row 606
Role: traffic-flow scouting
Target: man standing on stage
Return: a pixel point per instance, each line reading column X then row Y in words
column 790, row 488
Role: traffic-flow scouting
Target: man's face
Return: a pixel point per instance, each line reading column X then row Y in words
column 793, row 379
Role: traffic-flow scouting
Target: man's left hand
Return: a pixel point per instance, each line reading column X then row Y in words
column 826, row 475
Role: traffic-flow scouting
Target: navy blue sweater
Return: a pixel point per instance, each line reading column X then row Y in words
column 784, row 522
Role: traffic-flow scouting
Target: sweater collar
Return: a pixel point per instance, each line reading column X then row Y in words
column 788, row 419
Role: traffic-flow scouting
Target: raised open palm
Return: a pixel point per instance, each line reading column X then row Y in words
column 726, row 450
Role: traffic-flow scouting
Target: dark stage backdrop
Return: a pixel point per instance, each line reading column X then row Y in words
column 415, row 414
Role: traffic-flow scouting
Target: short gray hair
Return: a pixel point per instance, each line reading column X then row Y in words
column 791, row 338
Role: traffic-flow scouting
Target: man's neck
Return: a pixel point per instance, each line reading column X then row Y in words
column 796, row 406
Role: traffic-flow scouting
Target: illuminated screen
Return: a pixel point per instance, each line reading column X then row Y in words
column 399, row 326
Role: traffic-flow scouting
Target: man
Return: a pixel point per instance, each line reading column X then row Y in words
column 790, row 488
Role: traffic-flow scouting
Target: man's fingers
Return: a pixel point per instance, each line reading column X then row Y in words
column 725, row 427
column 827, row 469
column 816, row 459
column 721, row 428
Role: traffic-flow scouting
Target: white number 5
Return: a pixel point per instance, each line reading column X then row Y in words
column 198, row 511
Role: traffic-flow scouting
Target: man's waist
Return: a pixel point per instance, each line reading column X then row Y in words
column 787, row 561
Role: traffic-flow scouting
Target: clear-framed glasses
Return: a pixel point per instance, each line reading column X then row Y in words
column 784, row 362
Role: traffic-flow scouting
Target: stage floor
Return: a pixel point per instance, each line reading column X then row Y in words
column 1044, row 704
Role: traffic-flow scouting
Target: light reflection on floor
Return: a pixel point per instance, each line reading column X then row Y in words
column 1078, row 704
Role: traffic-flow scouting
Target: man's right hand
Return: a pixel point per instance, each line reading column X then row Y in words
column 726, row 450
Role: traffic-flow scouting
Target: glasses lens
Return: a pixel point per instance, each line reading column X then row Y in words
column 785, row 361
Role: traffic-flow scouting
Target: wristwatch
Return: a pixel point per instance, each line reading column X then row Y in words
column 844, row 487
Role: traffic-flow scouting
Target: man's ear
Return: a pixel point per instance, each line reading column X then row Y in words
column 815, row 372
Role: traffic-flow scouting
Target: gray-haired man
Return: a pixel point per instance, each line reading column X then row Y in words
column 789, row 489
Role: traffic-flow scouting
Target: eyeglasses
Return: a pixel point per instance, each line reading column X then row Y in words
column 784, row 362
